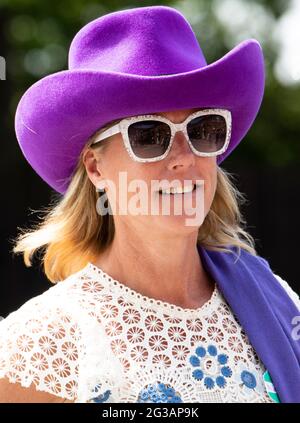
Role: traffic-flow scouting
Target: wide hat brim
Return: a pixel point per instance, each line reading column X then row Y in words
column 56, row 115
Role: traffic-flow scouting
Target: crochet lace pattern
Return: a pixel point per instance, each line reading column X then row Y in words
column 91, row 338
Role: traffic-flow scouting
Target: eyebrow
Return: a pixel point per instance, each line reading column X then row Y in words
column 192, row 111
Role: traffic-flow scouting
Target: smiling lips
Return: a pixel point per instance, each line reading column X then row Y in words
column 178, row 190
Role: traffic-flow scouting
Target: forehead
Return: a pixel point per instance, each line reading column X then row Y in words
column 178, row 115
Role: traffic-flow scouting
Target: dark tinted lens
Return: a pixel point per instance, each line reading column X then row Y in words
column 149, row 138
column 207, row 133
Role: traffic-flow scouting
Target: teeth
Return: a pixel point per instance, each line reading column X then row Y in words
column 178, row 190
column 166, row 191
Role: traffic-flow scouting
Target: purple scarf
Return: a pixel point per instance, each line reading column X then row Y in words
column 264, row 310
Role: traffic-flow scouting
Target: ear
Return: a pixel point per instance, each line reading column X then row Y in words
column 91, row 165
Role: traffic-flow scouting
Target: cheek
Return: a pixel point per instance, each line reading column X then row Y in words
column 212, row 185
column 115, row 160
column 127, row 176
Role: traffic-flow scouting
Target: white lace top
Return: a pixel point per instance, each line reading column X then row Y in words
column 92, row 339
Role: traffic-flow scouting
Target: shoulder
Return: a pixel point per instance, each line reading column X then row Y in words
column 42, row 342
column 259, row 259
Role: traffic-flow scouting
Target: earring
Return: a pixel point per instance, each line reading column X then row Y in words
column 100, row 186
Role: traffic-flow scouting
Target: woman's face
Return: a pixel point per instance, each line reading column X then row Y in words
column 181, row 165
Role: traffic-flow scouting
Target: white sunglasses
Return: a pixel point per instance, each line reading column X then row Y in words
column 149, row 138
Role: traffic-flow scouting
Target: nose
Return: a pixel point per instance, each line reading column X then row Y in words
column 180, row 155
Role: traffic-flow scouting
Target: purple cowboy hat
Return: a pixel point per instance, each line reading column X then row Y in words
column 127, row 63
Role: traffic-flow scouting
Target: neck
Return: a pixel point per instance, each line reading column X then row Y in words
column 167, row 270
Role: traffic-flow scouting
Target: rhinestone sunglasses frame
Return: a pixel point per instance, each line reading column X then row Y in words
column 122, row 127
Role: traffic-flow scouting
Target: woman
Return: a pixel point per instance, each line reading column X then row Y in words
column 151, row 307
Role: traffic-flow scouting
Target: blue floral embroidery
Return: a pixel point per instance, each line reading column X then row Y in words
column 249, row 380
column 158, row 392
column 217, row 362
column 102, row 397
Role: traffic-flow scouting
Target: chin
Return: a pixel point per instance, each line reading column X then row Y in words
column 183, row 213
column 183, row 222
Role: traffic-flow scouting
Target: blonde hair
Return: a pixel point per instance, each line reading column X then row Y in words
column 71, row 232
